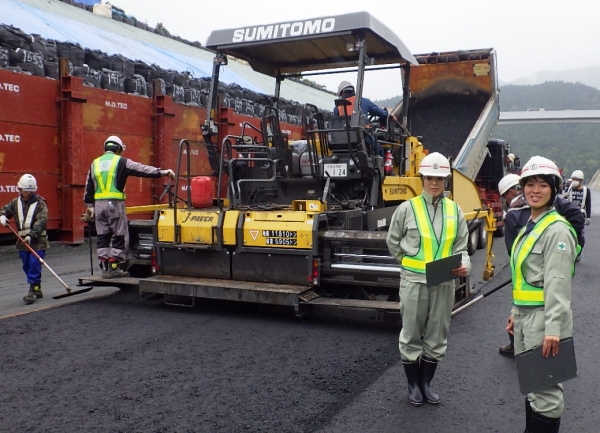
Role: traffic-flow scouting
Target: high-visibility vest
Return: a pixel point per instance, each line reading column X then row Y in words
column 524, row 294
column 431, row 248
column 348, row 108
column 25, row 222
column 105, row 173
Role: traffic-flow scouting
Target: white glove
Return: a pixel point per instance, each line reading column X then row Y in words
column 3, row 220
column 88, row 215
column 27, row 240
column 168, row 172
column 587, row 221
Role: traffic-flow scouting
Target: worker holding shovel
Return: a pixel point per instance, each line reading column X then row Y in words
column 31, row 214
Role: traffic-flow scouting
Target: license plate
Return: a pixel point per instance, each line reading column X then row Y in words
column 336, row 170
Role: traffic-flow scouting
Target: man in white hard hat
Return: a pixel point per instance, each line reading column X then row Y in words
column 427, row 227
column 105, row 202
column 31, row 214
column 581, row 196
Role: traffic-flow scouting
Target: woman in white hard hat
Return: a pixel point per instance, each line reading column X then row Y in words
column 542, row 263
column 31, row 214
column 425, row 228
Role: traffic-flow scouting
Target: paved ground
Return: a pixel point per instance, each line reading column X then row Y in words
column 115, row 363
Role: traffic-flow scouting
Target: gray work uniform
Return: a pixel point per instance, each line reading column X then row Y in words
column 549, row 265
column 425, row 311
column 110, row 214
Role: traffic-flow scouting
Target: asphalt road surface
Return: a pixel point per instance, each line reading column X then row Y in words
column 106, row 361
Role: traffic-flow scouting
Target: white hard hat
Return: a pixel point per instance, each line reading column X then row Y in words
column 27, row 183
column 538, row 165
column 507, row 182
column 435, row 164
column 577, row 174
column 345, row 85
column 511, row 156
column 112, row 140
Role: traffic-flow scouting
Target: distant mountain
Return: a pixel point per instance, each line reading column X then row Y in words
column 551, row 95
column 589, row 76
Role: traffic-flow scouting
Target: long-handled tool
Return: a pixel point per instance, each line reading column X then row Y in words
column 70, row 292
column 480, row 297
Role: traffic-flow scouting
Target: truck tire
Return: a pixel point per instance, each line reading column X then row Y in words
column 473, row 239
column 482, row 236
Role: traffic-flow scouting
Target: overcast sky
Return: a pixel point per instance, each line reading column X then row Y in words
column 529, row 35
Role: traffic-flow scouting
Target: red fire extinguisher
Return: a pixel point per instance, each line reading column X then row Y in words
column 387, row 164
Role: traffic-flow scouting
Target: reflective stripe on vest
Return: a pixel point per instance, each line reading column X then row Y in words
column 26, row 221
column 431, row 249
column 105, row 170
column 524, row 294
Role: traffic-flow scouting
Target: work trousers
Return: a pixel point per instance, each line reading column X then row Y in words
column 426, row 313
column 529, row 329
column 111, row 228
column 32, row 266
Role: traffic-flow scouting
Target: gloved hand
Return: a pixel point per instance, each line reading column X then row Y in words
column 88, row 215
column 587, row 221
column 168, row 172
column 3, row 220
column 27, row 240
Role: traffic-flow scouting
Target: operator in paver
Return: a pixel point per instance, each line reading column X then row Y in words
column 368, row 108
column 31, row 215
column 426, row 228
column 105, row 202
column 542, row 263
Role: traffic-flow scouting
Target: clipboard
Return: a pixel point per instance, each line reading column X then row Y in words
column 439, row 271
column 536, row 372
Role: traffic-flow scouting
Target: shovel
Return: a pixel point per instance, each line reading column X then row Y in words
column 70, row 292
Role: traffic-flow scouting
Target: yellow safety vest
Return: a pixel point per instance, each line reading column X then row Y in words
column 524, row 294
column 105, row 172
column 431, row 248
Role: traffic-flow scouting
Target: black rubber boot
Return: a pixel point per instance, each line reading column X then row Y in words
column 428, row 367
column 508, row 350
column 31, row 296
column 38, row 291
column 544, row 424
column 413, row 375
column 528, row 415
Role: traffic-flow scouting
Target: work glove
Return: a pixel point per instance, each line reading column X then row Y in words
column 27, row 240
column 3, row 220
column 587, row 222
column 88, row 215
column 168, row 172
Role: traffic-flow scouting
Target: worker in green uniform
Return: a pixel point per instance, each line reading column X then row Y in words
column 426, row 228
column 542, row 263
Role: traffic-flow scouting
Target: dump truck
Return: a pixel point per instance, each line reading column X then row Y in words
column 302, row 223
